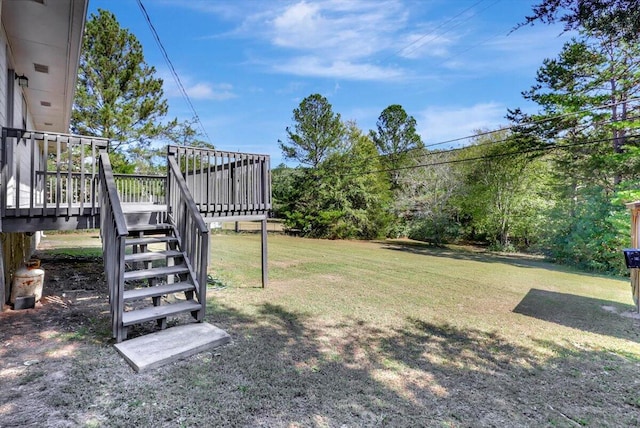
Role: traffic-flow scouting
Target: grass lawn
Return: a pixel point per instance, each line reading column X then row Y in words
column 348, row 333
column 402, row 333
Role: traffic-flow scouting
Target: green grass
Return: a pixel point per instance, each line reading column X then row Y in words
column 385, row 283
column 392, row 333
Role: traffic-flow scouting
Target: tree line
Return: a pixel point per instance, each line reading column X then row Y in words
column 554, row 182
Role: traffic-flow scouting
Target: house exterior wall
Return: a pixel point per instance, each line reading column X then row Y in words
column 15, row 247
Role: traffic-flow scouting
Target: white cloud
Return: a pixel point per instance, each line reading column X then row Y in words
column 437, row 124
column 198, row 90
column 342, row 30
column 207, row 91
column 429, row 44
column 330, row 38
column 319, row 67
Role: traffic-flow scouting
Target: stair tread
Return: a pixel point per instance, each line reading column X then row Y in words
column 157, row 312
column 150, row 240
column 150, row 227
column 155, row 272
column 151, row 255
column 158, row 290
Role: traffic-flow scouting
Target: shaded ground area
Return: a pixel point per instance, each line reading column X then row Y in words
column 284, row 368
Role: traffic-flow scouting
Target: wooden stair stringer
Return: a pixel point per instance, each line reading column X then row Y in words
column 174, row 275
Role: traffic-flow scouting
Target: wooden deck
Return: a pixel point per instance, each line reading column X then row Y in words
column 66, row 182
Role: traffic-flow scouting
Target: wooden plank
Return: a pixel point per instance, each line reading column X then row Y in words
column 32, row 179
column 110, row 186
column 69, row 178
column 156, row 312
column 45, row 155
column 234, row 218
column 83, row 188
column 34, row 224
column 152, row 255
column 16, row 165
column 170, row 345
column 159, row 227
column 4, row 178
column 155, row 272
column 158, row 290
column 3, row 286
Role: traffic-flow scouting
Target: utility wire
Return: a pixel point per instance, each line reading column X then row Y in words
column 432, row 32
column 511, row 127
column 519, row 125
column 172, row 69
column 532, row 123
column 457, row 24
column 486, row 157
column 579, row 127
column 523, row 151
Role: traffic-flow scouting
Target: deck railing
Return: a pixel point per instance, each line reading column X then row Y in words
column 141, row 189
column 113, row 230
column 225, row 183
column 48, row 173
column 191, row 229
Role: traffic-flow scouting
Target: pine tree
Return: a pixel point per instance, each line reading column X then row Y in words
column 117, row 96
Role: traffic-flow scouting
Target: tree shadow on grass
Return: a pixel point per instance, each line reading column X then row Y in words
column 287, row 368
column 580, row 312
column 517, row 260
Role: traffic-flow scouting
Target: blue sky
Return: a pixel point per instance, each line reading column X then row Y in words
column 451, row 64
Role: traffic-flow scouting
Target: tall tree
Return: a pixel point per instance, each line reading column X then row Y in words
column 425, row 197
column 588, row 98
column 395, row 136
column 117, row 95
column 588, row 94
column 616, row 18
column 317, row 131
column 357, row 193
column 503, row 190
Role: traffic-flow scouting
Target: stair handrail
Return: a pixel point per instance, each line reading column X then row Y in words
column 113, row 230
column 192, row 231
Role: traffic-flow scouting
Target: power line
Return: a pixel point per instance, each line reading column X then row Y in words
column 533, row 123
column 433, row 31
column 486, row 157
column 579, row 127
column 524, row 151
column 172, row 69
column 511, row 127
column 453, row 26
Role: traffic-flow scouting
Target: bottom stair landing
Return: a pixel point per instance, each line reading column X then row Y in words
column 173, row 344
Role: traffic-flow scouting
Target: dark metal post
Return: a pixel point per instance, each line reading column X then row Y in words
column 265, row 268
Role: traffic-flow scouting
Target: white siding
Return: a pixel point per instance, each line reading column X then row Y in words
column 3, row 76
column 23, row 152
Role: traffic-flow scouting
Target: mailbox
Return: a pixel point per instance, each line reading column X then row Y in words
column 632, row 257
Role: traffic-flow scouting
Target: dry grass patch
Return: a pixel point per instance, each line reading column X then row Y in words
column 346, row 334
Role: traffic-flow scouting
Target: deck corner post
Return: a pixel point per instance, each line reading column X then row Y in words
column 265, row 267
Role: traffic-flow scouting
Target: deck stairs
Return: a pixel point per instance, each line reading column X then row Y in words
column 159, row 285
column 155, row 256
column 159, row 282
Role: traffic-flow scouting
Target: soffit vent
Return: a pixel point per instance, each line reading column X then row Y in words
column 48, row 124
column 45, row 103
column 41, row 68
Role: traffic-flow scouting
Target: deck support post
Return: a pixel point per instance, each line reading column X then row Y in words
column 635, row 242
column 3, row 286
column 265, row 271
